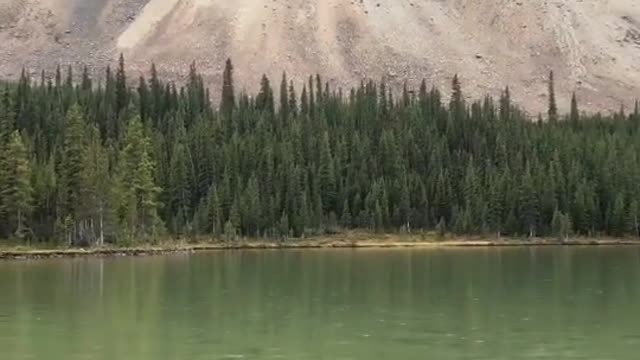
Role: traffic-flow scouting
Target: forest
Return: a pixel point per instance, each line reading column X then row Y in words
column 117, row 160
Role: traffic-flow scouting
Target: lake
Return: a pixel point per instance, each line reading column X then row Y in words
column 458, row 303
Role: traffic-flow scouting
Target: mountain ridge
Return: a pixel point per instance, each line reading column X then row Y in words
column 591, row 46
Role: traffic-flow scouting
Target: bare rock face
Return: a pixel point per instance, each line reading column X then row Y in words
column 593, row 46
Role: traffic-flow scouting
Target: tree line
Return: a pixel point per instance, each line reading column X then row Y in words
column 88, row 163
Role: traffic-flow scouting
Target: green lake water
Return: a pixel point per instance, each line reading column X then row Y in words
column 493, row 303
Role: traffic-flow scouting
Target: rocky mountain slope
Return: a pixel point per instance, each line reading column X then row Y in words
column 592, row 45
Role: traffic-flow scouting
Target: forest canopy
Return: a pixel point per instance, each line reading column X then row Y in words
column 121, row 160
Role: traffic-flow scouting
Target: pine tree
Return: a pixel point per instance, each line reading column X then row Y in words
column 312, row 101
column 404, row 205
column 367, row 159
column 284, row 99
column 575, row 114
column 457, row 106
column 230, row 232
column 16, row 190
column 156, row 96
column 378, row 217
column 528, row 204
column 228, row 101
column 583, row 211
column 143, row 99
column 70, row 199
column 326, row 174
column 319, row 95
column 136, row 191
column 405, row 95
column 95, row 187
column 441, row 227
column 505, row 105
column 121, row 90
column 556, row 224
column 234, row 214
column 264, row 100
column 495, row 216
column 472, row 197
column 6, row 130
column 345, row 217
column 293, row 102
column 553, row 108
column 632, row 220
column 215, row 212
column 283, row 226
column 561, row 225
column 567, row 225
column 86, row 83
column 181, row 182
column 423, row 97
column 304, row 102
column 442, row 198
column 251, row 208
column 616, row 216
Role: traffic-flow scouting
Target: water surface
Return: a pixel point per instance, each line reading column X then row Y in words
column 533, row 303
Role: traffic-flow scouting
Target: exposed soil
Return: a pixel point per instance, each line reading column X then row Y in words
column 593, row 46
column 349, row 240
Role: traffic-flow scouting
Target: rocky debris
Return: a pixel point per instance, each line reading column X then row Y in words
column 489, row 43
column 632, row 36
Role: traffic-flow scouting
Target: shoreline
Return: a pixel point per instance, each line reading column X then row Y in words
column 338, row 241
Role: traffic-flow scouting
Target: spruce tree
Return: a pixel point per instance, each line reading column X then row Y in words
column 423, row 97
column 561, row 225
column 345, row 217
column 251, row 208
column 441, row 227
column 304, row 102
column 553, row 108
column 528, row 204
column 228, row 102
column 367, row 159
column 505, row 105
column 264, row 100
column 632, row 220
column 574, row 116
column 293, row 101
column 16, row 190
column 326, row 173
column 405, row 95
column 215, row 212
column 95, row 187
column 70, row 200
column 181, row 181
column 121, row 90
column 457, row 106
column 284, row 99
column 143, row 99
column 312, row 100
column 6, row 130
column 136, row 195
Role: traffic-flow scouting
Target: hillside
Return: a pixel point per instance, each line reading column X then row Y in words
column 593, row 46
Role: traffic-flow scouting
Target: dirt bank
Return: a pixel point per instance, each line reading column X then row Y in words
column 344, row 241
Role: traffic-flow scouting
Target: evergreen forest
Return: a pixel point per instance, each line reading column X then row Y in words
column 120, row 160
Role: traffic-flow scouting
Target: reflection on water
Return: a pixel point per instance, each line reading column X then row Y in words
column 533, row 303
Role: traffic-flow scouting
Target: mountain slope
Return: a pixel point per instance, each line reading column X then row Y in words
column 592, row 46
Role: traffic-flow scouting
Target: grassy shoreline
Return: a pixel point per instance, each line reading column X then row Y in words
column 349, row 240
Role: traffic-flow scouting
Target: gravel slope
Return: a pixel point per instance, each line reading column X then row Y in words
column 593, row 46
